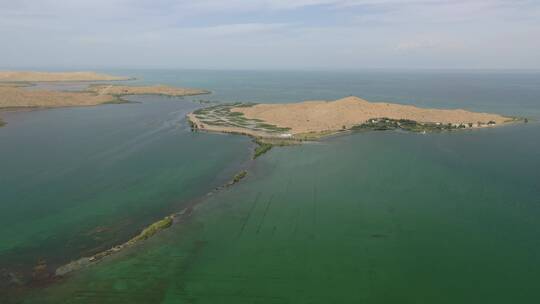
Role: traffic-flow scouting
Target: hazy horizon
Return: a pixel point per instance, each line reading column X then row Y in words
column 271, row 34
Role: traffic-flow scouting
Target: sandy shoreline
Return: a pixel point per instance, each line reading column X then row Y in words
column 15, row 97
column 17, row 90
column 19, row 97
column 313, row 119
column 30, row 76
column 118, row 90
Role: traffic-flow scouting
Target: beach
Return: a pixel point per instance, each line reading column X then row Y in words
column 118, row 90
column 318, row 118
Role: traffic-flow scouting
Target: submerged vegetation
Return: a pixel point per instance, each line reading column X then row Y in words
column 2, row 123
column 238, row 177
column 145, row 234
column 153, row 229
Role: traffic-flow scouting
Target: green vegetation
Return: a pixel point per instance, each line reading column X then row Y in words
column 382, row 124
column 266, row 144
column 244, row 105
column 153, row 229
column 272, row 128
column 2, row 123
column 262, row 147
column 118, row 100
column 314, row 135
column 221, row 115
column 239, row 177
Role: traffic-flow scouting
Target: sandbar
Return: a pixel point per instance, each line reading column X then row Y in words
column 118, row 90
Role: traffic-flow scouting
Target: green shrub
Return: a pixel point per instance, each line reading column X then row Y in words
column 239, row 176
column 153, row 229
column 261, row 149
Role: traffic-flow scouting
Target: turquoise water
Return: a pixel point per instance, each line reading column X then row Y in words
column 78, row 181
column 381, row 217
column 512, row 93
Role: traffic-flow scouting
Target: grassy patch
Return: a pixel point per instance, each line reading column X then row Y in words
column 382, row 124
column 223, row 115
column 236, row 114
column 153, row 229
column 261, row 148
column 314, row 135
column 117, row 100
column 243, row 105
column 238, row 177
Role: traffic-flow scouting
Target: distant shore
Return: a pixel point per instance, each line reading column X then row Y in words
column 123, row 90
column 14, row 93
column 31, row 76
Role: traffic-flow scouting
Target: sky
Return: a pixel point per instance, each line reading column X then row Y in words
column 271, row 34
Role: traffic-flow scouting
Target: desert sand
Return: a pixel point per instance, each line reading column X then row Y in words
column 144, row 90
column 320, row 116
column 21, row 95
column 29, row 76
column 15, row 97
column 327, row 117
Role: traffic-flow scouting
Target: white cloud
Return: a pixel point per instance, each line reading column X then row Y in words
column 271, row 33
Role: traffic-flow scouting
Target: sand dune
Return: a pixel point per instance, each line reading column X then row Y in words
column 146, row 90
column 13, row 97
column 15, row 76
column 321, row 116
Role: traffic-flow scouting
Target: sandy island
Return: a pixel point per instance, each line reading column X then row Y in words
column 16, row 96
column 14, row 93
column 29, row 76
column 312, row 119
column 118, row 90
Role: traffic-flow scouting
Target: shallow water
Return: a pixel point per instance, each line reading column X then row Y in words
column 379, row 217
column 77, row 181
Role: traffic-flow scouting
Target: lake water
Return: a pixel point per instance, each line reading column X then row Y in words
column 379, row 217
